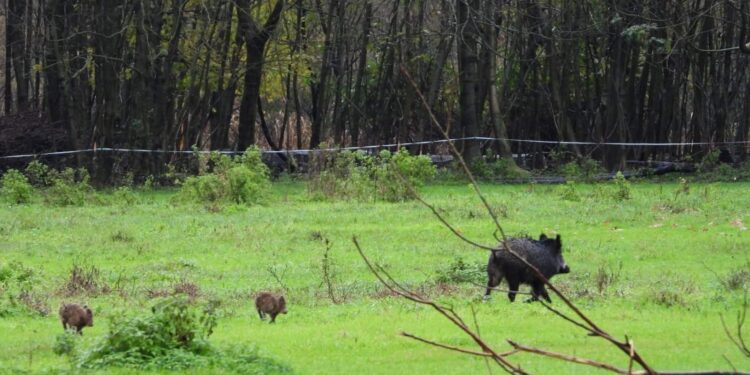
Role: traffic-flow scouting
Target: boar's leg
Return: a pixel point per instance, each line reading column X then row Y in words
column 260, row 314
column 538, row 290
column 273, row 318
column 513, row 286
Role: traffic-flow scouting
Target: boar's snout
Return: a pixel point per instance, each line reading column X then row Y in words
column 564, row 269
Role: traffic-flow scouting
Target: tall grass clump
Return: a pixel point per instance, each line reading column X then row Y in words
column 386, row 176
column 242, row 180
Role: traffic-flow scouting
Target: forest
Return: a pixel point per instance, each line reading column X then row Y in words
column 177, row 75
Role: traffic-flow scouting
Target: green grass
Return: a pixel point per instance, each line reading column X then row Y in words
column 669, row 257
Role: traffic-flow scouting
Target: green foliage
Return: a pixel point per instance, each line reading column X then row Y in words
column 70, row 187
column 709, row 162
column 167, row 338
column 38, row 173
column 17, row 295
column 459, row 271
column 481, row 168
column 65, row 344
column 583, row 169
column 241, row 180
column 725, row 172
column 622, row 187
column 174, row 338
column 390, row 177
column 124, row 195
column 568, row 192
column 638, row 33
column 16, row 187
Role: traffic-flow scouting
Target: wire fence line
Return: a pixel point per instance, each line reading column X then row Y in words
column 379, row 146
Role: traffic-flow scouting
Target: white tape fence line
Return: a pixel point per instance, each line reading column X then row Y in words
column 389, row 145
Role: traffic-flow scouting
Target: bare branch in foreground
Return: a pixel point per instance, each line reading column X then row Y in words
column 592, row 328
column 448, row 313
column 738, row 341
column 608, row 367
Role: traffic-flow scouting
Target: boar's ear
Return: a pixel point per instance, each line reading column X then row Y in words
column 282, row 300
column 558, row 242
column 542, row 237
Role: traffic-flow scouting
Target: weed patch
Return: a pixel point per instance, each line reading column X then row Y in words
column 84, row 280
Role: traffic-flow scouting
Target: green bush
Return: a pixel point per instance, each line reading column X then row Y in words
column 16, row 187
column 70, row 187
column 583, row 169
column 173, row 330
column 242, row 180
column 481, row 168
column 387, row 176
column 65, row 344
column 38, row 173
column 173, row 338
column 125, row 195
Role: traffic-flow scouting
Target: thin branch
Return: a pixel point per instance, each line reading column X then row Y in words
column 738, row 341
column 448, row 313
column 567, row 358
column 500, row 289
column 444, row 346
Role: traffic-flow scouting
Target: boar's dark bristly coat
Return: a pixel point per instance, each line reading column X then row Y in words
column 545, row 254
column 267, row 303
column 73, row 315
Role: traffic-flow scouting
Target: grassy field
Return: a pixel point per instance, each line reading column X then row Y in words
column 660, row 267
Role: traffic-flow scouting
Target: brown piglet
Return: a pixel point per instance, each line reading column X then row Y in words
column 76, row 316
column 268, row 303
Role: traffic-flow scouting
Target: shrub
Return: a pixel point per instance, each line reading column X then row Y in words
column 70, row 187
column 355, row 175
column 622, row 187
column 172, row 330
column 242, row 180
column 125, row 195
column 174, row 338
column 65, row 344
column 38, row 173
column 490, row 168
column 16, row 187
column 584, row 169
column 709, row 162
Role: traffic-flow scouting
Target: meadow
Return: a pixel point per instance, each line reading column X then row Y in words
column 660, row 267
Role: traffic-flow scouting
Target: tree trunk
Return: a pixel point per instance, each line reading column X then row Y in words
column 255, row 44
